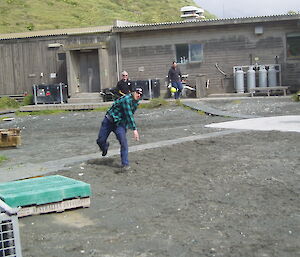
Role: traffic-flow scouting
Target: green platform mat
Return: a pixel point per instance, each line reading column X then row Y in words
column 42, row 190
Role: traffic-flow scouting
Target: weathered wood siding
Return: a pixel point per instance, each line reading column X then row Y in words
column 24, row 60
column 148, row 54
column 228, row 45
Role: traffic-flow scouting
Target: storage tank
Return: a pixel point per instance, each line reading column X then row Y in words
column 251, row 83
column 272, row 76
column 239, row 80
column 262, row 76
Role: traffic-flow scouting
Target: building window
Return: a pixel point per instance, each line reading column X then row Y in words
column 186, row 53
column 61, row 56
column 293, row 45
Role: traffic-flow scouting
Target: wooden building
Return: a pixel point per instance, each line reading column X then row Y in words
column 212, row 48
column 91, row 59
column 84, row 59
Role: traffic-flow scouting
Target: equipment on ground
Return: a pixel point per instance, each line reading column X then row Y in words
column 50, row 94
column 109, row 94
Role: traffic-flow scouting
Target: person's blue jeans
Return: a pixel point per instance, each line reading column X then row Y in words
column 178, row 86
column 120, row 131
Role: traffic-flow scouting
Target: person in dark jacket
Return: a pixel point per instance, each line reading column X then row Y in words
column 118, row 119
column 124, row 85
column 175, row 77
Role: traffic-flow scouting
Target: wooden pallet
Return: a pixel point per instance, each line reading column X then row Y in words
column 10, row 137
column 45, row 194
column 54, row 207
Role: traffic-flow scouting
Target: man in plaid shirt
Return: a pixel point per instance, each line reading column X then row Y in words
column 118, row 119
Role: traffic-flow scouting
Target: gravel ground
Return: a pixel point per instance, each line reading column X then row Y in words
column 233, row 195
column 51, row 137
column 260, row 106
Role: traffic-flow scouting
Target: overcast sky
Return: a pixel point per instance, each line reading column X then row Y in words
column 246, row 8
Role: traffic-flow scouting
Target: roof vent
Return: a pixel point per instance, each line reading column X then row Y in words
column 191, row 13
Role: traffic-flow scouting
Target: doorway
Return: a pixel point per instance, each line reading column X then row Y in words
column 89, row 78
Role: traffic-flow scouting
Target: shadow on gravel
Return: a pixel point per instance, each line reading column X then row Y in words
column 109, row 162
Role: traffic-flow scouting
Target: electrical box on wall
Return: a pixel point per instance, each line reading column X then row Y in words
column 53, row 75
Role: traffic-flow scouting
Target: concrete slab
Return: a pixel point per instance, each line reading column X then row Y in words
column 198, row 106
column 289, row 123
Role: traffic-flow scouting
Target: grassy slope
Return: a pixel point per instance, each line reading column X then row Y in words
column 26, row 15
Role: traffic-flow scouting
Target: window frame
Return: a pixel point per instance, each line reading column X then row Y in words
column 189, row 47
column 59, row 54
column 295, row 35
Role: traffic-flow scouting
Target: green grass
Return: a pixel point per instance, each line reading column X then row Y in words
column 8, row 103
column 296, row 97
column 28, row 100
column 201, row 112
column 3, row 118
column 44, row 112
column 30, row 15
column 154, row 103
column 101, row 109
column 2, row 158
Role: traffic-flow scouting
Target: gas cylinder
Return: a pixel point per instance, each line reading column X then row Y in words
column 239, row 80
column 262, row 76
column 272, row 78
column 250, row 78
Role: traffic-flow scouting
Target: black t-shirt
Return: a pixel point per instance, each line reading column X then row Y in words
column 124, row 86
column 174, row 75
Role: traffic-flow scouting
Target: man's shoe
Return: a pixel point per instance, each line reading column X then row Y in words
column 123, row 169
column 126, row 168
column 104, row 152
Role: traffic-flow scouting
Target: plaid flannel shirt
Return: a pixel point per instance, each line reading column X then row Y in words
column 122, row 111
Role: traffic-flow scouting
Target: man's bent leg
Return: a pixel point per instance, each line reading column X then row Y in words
column 106, row 128
column 121, row 136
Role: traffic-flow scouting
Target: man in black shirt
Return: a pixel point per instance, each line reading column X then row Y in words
column 174, row 77
column 124, row 86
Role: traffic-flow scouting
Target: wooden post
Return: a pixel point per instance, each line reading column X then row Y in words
column 201, row 90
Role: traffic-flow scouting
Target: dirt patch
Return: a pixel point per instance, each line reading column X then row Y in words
column 232, row 195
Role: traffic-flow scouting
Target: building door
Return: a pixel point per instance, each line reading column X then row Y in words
column 89, row 79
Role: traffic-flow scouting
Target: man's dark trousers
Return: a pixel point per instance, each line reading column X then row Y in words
column 178, row 86
column 120, row 131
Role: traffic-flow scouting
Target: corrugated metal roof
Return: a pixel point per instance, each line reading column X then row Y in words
column 56, row 32
column 125, row 26
column 205, row 22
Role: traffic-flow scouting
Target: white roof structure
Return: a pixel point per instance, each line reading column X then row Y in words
column 191, row 12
